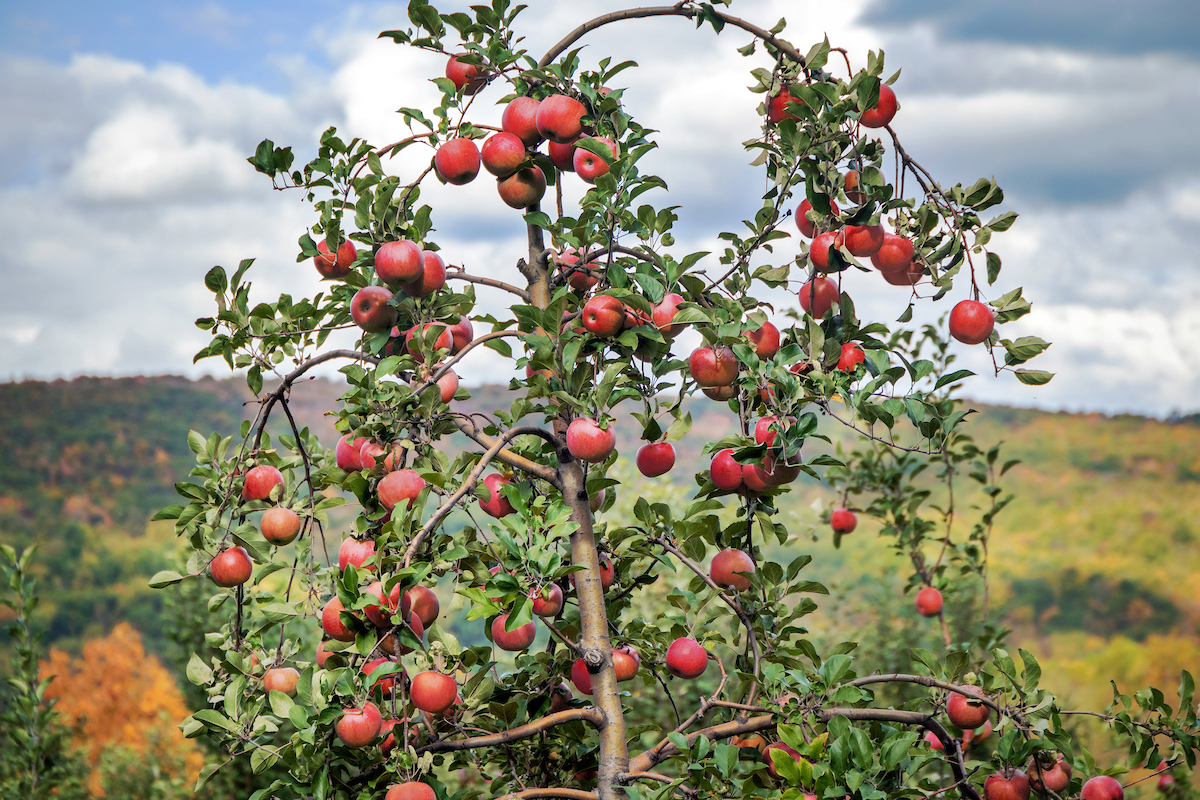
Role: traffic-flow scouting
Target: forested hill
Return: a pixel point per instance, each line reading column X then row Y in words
column 1102, row 546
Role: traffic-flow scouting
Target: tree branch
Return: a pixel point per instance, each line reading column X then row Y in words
column 643, row 762
column 590, row 714
column 572, row 794
column 509, row 457
column 482, row 281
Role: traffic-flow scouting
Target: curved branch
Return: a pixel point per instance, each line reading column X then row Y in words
column 643, row 762
column 445, row 366
column 468, row 484
column 616, row 248
column 522, row 463
column 666, row 11
column 590, row 714
column 922, row 680
column 286, row 384
column 571, row 794
column 495, row 284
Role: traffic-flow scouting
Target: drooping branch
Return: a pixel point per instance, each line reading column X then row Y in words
column 660, row 752
column 522, row 463
column 590, row 714
column 461, row 275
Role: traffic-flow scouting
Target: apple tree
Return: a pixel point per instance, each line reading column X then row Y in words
column 341, row 676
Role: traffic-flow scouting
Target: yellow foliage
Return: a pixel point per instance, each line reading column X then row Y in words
column 117, row 695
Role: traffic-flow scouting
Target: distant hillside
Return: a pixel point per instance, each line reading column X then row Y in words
column 1100, row 549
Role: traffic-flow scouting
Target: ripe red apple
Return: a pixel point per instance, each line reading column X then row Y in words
column 929, row 602
column 581, row 677
column 370, row 454
column 520, row 118
column 655, row 459
column 260, row 480
column 230, row 567
column 1102, row 787
column 608, row 573
column 776, row 470
column 596, row 501
column 1006, row 785
column 590, row 166
column 765, row 340
column 807, row 227
column 444, row 340
column 909, row 276
column 852, row 355
column 385, row 683
column 965, row 711
column 863, row 241
column 348, row 452
column 502, row 153
column 323, row 653
column 401, row 486
column 971, row 322
column 331, row 621
column 548, row 601
column 358, row 727
column 1165, row 782
column 355, row 551
column 335, row 267
column 497, row 504
column 559, row 118
column 713, row 366
column 371, row 309
column 625, row 665
column 413, row 790
column 726, row 473
column 280, row 525
column 777, row 106
column 818, row 296
column 380, row 614
column 1056, row 779
column 686, row 658
column 604, row 315
column 463, row 333
column 467, row 78
column 447, row 386
column 756, row 479
column 562, row 155
column 523, row 188
column 933, row 741
column 853, row 184
column 664, row 312
column 399, row 262
column 882, row 112
column 894, row 255
column 726, row 568
column 842, row 520
column 457, row 161
column 587, row 441
column 424, row 604
column 433, row 692
column 433, row 276
column 818, row 253
column 767, row 429
column 781, row 747
column 720, row 392
column 978, row 735
column 515, row 640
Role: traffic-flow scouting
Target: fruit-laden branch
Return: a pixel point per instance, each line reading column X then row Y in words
column 643, row 255
column 444, row 366
column 923, row 680
column 522, row 463
column 667, row 11
column 468, row 484
column 660, row 752
column 590, row 714
column 461, row 275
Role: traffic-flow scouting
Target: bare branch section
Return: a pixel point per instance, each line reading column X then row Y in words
column 460, row 275
column 571, row 794
column 535, row 469
column 590, row 714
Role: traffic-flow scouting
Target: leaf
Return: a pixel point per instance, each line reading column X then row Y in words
column 281, row 704
column 953, row 377
column 215, row 719
column 165, row 578
column 1033, row 671
column 1033, row 377
column 198, row 672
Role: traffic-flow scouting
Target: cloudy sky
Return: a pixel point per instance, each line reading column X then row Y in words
column 124, row 134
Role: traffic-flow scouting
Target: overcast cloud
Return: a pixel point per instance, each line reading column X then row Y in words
column 123, row 174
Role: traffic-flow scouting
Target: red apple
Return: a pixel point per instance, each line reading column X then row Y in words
column 358, row 727
column 260, row 480
column 280, row 525
column 909, row 276
column 765, row 340
column 562, row 155
column 664, row 312
column 1165, row 782
column 686, row 658
column 356, row 552
column 863, row 241
column 447, row 386
column 894, row 255
column 966, row 711
column 971, row 322
column 331, row 621
column 1055, row 779
column 370, row 454
column 655, row 459
column 433, row 692
column 777, row 106
column 502, row 153
column 933, row 741
column 230, row 567
column 424, row 604
column 559, row 118
column 348, row 453
column 1006, row 785
column 767, row 429
column 978, row 735
column 515, row 640
column 587, row 441
column 462, row 333
column 457, row 161
column 581, row 677
column 433, row 276
column 1102, row 787
column 604, row 315
column 401, row 486
column 323, row 654
column 818, row 296
column 548, row 601
column 727, row 566
column 371, row 309
column 596, row 501
column 523, row 188
column 882, row 112
column 781, row 747
column 807, row 227
column 852, row 355
column 399, row 262
column 842, row 520
column 929, row 602
column 496, row 505
column 335, row 267
column 757, row 480
column 713, row 366
column 413, row 790
column 726, row 473
column 467, row 78
column 393, row 645
column 590, row 166
column 608, row 572
column 721, row 392
column 444, row 340
column 625, row 665
column 853, row 184
column 520, row 118
column 381, row 614
column 818, row 253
